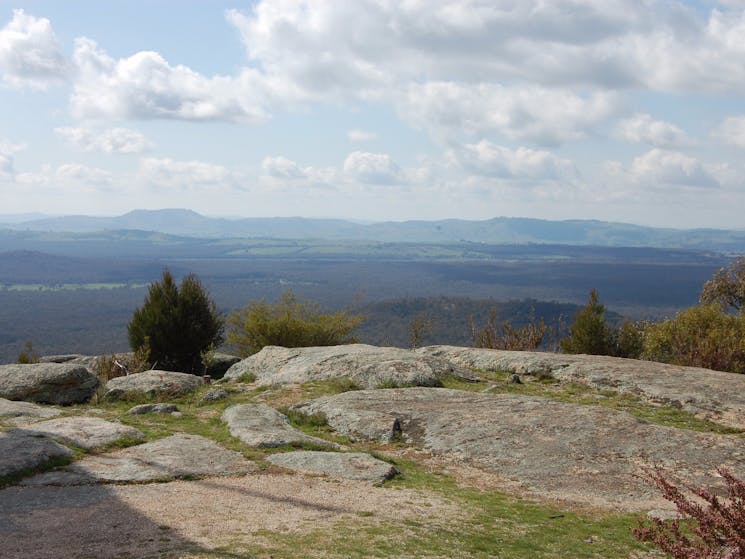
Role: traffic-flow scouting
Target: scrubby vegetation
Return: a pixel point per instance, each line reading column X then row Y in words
column 529, row 337
column 709, row 528
column 289, row 323
column 178, row 323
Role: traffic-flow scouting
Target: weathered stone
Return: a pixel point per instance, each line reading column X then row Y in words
column 365, row 366
column 47, row 383
column 152, row 408
column 177, row 456
column 713, row 395
column 20, row 451
column 214, row 395
column 262, row 425
column 355, row 465
column 220, row 363
column 84, row 432
column 579, row 453
column 59, row 358
column 25, row 410
column 160, row 384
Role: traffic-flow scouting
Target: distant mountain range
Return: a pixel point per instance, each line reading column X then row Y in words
column 499, row 230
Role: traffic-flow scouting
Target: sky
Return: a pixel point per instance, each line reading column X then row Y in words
column 618, row 110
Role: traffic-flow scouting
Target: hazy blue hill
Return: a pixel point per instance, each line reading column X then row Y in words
column 499, row 230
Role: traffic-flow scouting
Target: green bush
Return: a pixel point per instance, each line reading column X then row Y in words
column 289, row 323
column 28, row 354
column 179, row 323
column 702, row 336
column 590, row 333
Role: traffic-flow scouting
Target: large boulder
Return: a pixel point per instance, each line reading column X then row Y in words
column 351, row 465
column 364, row 365
column 261, row 425
column 177, row 456
column 47, row 383
column 85, row 432
column 152, row 384
column 14, row 411
column 21, row 451
column 219, row 364
column 713, row 395
column 584, row 454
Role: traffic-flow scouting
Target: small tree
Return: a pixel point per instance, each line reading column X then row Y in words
column 727, row 287
column 289, row 323
column 713, row 528
column 590, row 332
column 178, row 323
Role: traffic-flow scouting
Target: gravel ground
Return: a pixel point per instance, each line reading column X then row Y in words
column 138, row 521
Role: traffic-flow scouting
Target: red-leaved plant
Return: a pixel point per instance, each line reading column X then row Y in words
column 713, row 528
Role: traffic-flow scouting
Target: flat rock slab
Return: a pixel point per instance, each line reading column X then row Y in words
column 177, row 456
column 152, row 408
column 582, row 454
column 354, row 465
column 85, row 432
column 13, row 410
column 364, row 365
column 713, row 395
column 153, row 384
column 20, row 451
column 47, row 383
column 262, row 425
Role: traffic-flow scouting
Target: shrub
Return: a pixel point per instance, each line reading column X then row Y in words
column 28, row 354
column 714, row 530
column 727, row 287
column 289, row 323
column 508, row 337
column 590, row 332
column 178, row 322
column 628, row 339
column 702, row 336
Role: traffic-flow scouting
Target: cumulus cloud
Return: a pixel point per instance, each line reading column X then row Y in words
column 281, row 171
column 372, row 168
column 644, row 129
column 732, row 131
column 114, row 140
column 661, row 168
column 77, row 173
column 6, row 166
column 29, row 53
column 146, row 86
column 183, row 174
column 491, row 160
column 535, row 114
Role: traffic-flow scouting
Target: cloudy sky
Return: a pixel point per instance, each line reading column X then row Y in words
column 624, row 110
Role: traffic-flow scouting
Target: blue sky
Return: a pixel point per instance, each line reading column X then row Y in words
column 377, row 109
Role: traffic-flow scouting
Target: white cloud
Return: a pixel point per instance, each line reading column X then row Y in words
column 77, row 173
column 6, row 166
column 535, row 114
column 732, row 131
column 487, row 159
column 358, row 135
column 29, row 53
column 114, row 140
column 662, row 168
column 372, row 168
column 642, row 128
column 146, row 86
column 281, row 167
column 183, row 174
column 280, row 171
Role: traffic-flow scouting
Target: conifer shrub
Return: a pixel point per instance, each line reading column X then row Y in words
column 178, row 323
column 290, row 322
column 590, row 332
